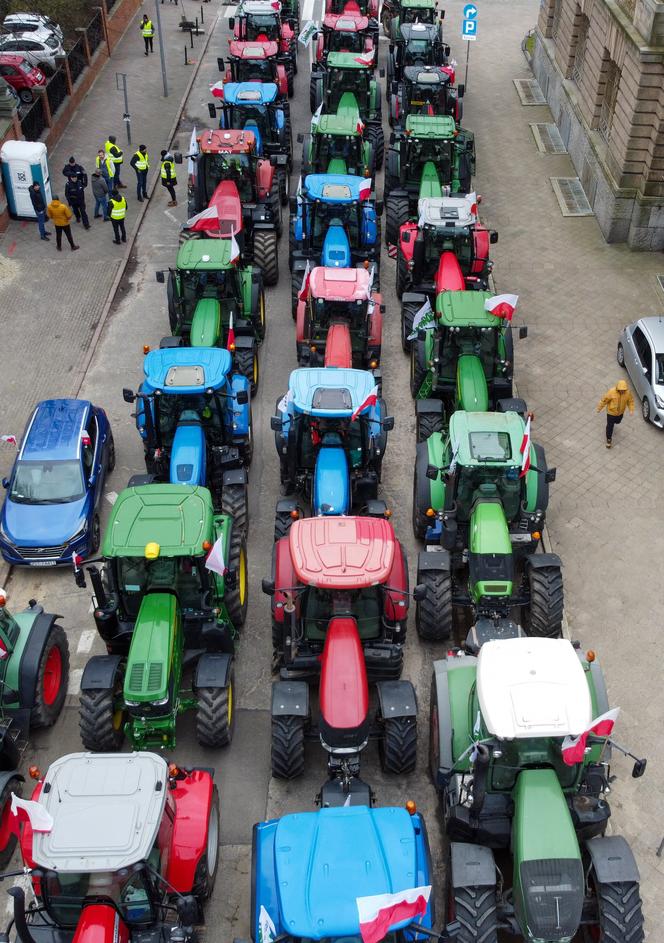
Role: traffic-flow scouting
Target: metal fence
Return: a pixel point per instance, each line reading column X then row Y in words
column 33, row 121
column 95, row 31
column 76, row 59
column 56, row 90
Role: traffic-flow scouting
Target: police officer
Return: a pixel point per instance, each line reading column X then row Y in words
column 115, row 154
column 168, row 179
column 118, row 209
column 147, row 31
column 141, row 164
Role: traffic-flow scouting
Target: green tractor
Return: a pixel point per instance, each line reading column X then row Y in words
column 337, row 144
column 431, row 157
column 208, row 293
column 169, row 602
column 348, row 82
column 519, row 754
column 395, row 13
column 480, row 504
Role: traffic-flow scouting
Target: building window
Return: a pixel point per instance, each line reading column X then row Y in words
column 580, row 49
column 557, row 9
column 608, row 106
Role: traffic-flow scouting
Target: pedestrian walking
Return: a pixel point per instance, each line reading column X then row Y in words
column 39, row 206
column 168, row 178
column 61, row 216
column 100, row 193
column 118, row 206
column 73, row 169
column 148, row 32
column 113, row 151
column 107, row 168
column 141, row 164
column 615, row 401
column 75, row 194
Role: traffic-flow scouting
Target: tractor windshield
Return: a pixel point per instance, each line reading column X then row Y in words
column 439, row 152
column 323, row 312
column 233, row 167
column 311, row 433
column 365, row 605
column 341, row 148
column 263, row 27
column 342, row 81
column 47, row 482
column 417, row 51
column 331, row 214
column 65, row 894
column 195, row 284
column 486, row 482
column 252, row 115
column 418, row 15
column 253, row 70
column 207, row 409
column 137, row 576
column 338, row 41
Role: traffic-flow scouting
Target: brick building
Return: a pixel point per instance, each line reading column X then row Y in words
column 600, row 64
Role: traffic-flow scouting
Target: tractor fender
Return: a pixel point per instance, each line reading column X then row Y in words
column 439, row 561
column 472, row 865
column 537, row 561
column 599, row 683
column 290, row 699
column 513, row 404
column 395, row 606
column 441, row 732
column 264, row 178
column 300, row 319
column 480, row 250
column 213, row 670
column 6, row 775
column 413, row 297
column 100, row 672
column 613, row 860
column 235, row 476
column 429, row 407
column 396, row 699
column 375, row 327
column 244, row 341
column 31, row 655
column 193, row 799
column 407, row 235
column 286, row 505
column 284, row 578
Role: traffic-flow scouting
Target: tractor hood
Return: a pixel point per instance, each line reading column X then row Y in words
column 336, row 247
column 331, row 481
column 151, row 650
column 227, row 201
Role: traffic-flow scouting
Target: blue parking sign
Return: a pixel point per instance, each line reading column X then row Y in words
column 469, row 29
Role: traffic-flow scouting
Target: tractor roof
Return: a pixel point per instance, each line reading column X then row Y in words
column 428, row 31
column 427, row 75
column 346, row 22
column 259, row 7
column 466, row 309
column 340, row 284
column 325, row 860
column 253, row 50
column 223, row 142
column 339, row 123
column 485, row 439
column 532, row 687
column 341, row 552
column 332, row 392
column 249, row 93
column 185, row 370
column 418, row 4
column 106, row 808
column 177, row 517
column 426, row 126
column 351, row 60
column 204, row 255
column 448, row 211
column 334, row 188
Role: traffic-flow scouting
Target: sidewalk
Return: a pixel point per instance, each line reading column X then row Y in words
column 54, row 297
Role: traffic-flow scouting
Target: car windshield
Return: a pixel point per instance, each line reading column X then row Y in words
column 47, row 482
column 659, row 369
column 25, row 66
column 64, row 894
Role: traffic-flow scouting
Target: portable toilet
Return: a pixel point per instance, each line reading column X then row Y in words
column 23, row 163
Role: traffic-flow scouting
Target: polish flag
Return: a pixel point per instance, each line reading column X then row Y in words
column 217, row 89
column 235, row 248
column 573, row 748
column 365, row 59
column 215, row 558
column 287, row 398
column 365, row 188
column 9, row 439
column 26, row 810
column 85, row 439
column 205, row 221
column 304, row 287
column 430, row 110
column 3, row 650
column 382, row 911
column 276, row 5
column 359, row 127
column 502, row 306
column 525, row 449
column 230, row 338
column 371, row 400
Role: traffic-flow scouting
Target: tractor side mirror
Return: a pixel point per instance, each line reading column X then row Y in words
column 231, row 22
column 279, row 160
column 5, row 482
column 128, row 395
column 300, row 138
column 442, row 14
column 639, row 768
column 493, row 238
column 292, row 204
column 523, row 333
column 276, row 423
column 393, row 138
column 79, row 578
column 187, row 909
column 268, row 587
column 381, row 73
column 383, row 309
column 461, row 88
column 221, row 65
column 420, row 592
column 160, row 277
column 432, row 472
column 242, row 397
column 446, row 51
column 388, row 423
column 177, row 157
column 550, row 475
column 212, row 111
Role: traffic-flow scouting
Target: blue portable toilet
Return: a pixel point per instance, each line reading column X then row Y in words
column 24, row 162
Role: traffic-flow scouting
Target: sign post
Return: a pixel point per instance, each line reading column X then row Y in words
column 469, row 31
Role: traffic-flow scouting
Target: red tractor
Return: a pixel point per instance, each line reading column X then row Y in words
column 263, row 21
column 122, row 847
column 344, row 32
column 354, row 8
column 257, row 62
column 339, row 319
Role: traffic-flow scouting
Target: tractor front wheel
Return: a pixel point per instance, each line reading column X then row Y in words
column 544, row 617
column 475, row 910
column 246, row 363
column 100, row 721
column 287, row 753
column 234, row 502
column 52, row 679
column 374, row 134
column 284, row 186
column 400, row 281
column 266, row 255
column 208, row 864
column 215, row 715
column 408, row 311
column 426, row 424
column 237, row 597
column 433, row 614
column 398, row 745
column 418, row 366
column 296, row 284
column 620, row 912
column 396, row 214
column 8, row 837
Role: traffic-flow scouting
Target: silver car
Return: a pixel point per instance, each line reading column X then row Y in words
column 29, row 22
column 40, row 48
column 641, row 353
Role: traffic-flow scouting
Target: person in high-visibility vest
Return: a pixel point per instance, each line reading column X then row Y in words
column 118, row 207
column 107, row 168
column 168, row 178
column 141, row 164
column 148, row 32
column 113, row 151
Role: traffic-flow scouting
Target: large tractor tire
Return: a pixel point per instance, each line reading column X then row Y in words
column 246, row 363
column 421, row 497
column 475, row 910
column 315, row 92
column 215, row 715
column 274, row 201
column 208, row 864
column 235, row 502
column 296, row 284
column 266, row 255
column 544, row 618
column 100, row 720
column 52, row 679
column 620, row 913
column 287, row 752
column 401, row 279
column 418, row 366
column 398, row 745
column 374, row 134
column 284, row 186
column 426, row 424
column 236, row 599
column 433, row 614
column 396, row 214
column 408, row 311
column 282, row 524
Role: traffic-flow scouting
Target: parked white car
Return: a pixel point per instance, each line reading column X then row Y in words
column 31, row 22
column 641, row 353
column 39, row 47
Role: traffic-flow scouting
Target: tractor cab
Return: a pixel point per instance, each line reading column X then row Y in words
column 344, row 33
column 336, row 145
column 425, row 90
column 354, row 8
column 339, row 323
column 416, row 11
column 263, row 21
column 257, row 62
column 417, row 44
column 330, row 435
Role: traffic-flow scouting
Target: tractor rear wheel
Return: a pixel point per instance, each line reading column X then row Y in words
column 420, row 519
column 246, row 363
column 396, row 214
column 282, row 524
column 235, row 502
column 398, row 745
column 215, row 715
column 287, row 752
column 236, row 598
column 475, row 910
column 208, row 863
column 408, row 311
column 296, row 284
column 544, row 617
column 315, row 92
column 426, row 424
column 100, row 721
column 284, row 187
column 266, row 255
column 52, row 679
column 400, row 278
column 8, row 837
column 620, row 912
column 374, row 134
column 433, row 614
column 418, row 367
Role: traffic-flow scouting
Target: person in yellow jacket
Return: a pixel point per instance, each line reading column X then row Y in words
column 141, row 164
column 148, row 32
column 115, row 154
column 168, row 178
column 615, row 401
column 117, row 207
column 61, row 216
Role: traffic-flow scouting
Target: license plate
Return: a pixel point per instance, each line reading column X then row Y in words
column 42, row 563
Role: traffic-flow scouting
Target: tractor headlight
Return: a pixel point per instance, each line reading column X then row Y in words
column 161, row 703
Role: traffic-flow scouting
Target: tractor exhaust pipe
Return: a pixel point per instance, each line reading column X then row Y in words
column 20, row 922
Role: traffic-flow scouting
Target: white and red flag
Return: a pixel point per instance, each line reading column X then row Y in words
column 502, row 306
column 359, row 127
column 304, row 287
column 9, row 439
column 525, row 449
column 366, row 58
column 382, row 911
column 230, row 337
column 235, row 248
column 371, row 400
column 215, row 558
column 205, row 221
column 26, row 810
column 574, row 748
column 365, row 188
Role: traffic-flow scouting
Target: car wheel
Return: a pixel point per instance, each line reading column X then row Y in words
column 645, row 409
column 95, row 536
column 26, row 96
column 620, row 356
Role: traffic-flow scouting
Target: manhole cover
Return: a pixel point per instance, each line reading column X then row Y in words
column 529, row 92
column 571, row 196
column 548, row 139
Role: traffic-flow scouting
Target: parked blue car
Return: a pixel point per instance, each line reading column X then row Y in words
column 51, row 510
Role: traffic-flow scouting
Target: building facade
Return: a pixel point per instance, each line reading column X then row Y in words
column 600, row 65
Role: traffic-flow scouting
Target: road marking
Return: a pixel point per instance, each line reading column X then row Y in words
column 307, row 10
column 86, row 641
column 165, row 245
column 171, row 217
column 111, row 497
column 74, row 686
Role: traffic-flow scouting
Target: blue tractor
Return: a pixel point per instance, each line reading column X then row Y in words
column 254, row 106
column 194, row 417
column 331, row 433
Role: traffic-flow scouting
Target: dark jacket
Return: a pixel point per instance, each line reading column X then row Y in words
column 74, row 191
column 99, row 187
column 37, row 200
column 75, row 170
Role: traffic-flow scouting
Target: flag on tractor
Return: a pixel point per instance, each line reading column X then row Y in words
column 525, row 449
column 27, row 810
column 215, row 558
column 304, row 287
column 371, row 400
column 235, row 248
column 382, row 911
column 574, row 748
column 230, row 337
column 423, row 320
column 502, row 306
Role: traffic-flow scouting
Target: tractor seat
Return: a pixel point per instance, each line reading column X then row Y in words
column 344, row 691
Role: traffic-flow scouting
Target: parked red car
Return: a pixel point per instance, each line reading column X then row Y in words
column 22, row 76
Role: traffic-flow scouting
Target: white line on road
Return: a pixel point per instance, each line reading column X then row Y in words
column 111, row 497
column 74, row 686
column 171, row 217
column 86, row 641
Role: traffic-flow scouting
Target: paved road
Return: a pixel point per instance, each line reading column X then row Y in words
column 575, row 294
